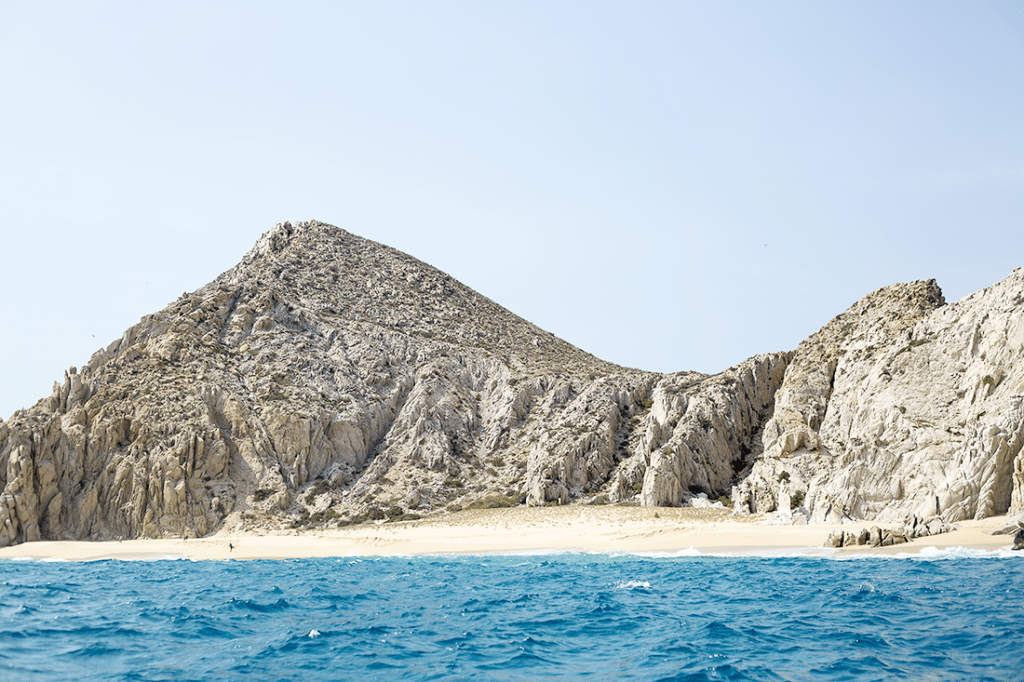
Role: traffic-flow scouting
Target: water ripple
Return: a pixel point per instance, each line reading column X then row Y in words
column 563, row 617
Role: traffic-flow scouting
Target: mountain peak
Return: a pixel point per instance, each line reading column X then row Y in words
column 344, row 279
column 330, row 379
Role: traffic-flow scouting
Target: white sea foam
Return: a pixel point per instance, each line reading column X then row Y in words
column 762, row 553
column 959, row 552
column 632, row 584
column 145, row 558
column 932, row 553
column 814, row 552
column 544, row 551
column 689, row 551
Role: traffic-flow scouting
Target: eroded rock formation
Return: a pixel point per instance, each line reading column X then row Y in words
column 902, row 406
column 887, row 537
column 330, row 377
column 327, row 378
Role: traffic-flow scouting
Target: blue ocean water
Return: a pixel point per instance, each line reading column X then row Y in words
column 516, row 617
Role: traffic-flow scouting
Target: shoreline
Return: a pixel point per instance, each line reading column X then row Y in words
column 528, row 530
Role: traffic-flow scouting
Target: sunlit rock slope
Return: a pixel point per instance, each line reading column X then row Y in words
column 328, row 379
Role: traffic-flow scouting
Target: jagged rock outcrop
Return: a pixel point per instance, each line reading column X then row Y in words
column 700, row 440
column 695, row 434
column 327, row 378
column 887, row 537
column 330, row 377
column 902, row 406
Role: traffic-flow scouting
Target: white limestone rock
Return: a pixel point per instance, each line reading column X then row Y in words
column 895, row 410
column 700, row 439
column 322, row 362
column 327, row 378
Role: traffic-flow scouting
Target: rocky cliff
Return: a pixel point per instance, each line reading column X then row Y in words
column 902, row 406
column 330, row 379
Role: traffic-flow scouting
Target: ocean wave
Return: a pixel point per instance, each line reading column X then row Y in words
column 608, row 616
column 925, row 553
column 932, row 553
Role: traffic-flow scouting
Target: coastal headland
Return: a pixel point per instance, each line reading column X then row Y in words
column 329, row 389
column 524, row 529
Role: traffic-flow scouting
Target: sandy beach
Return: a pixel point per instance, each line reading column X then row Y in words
column 523, row 529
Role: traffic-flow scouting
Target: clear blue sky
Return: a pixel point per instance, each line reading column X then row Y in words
column 668, row 185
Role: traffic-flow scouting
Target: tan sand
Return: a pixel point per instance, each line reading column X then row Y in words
column 526, row 529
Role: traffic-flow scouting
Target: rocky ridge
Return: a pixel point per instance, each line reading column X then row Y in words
column 330, row 379
column 902, row 406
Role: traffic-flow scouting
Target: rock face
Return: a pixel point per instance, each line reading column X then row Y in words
column 327, row 378
column 902, row 406
column 886, row 537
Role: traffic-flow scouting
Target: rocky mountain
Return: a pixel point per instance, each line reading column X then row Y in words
column 902, row 406
column 327, row 379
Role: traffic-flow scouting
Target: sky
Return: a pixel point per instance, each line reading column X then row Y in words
column 667, row 185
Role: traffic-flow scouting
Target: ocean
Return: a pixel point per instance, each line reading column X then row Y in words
column 943, row 615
